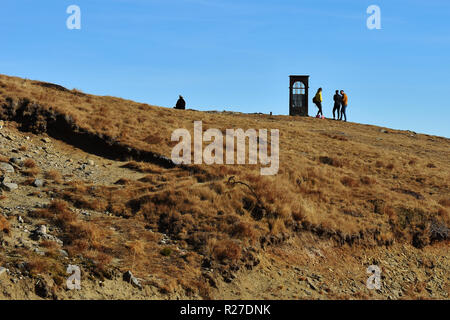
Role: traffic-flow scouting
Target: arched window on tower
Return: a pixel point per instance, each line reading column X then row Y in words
column 298, row 95
column 298, row 101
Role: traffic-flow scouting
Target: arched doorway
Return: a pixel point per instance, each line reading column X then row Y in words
column 298, row 96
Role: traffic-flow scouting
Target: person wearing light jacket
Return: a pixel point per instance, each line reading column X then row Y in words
column 318, row 101
column 344, row 105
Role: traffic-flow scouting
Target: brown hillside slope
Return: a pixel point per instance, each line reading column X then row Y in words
column 346, row 185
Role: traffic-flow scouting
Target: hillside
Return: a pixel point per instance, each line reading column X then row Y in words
column 346, row 196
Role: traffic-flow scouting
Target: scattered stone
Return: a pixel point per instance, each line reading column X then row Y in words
column 6, row 167
column 9, row 186
column 383, row 131
column 42, row 229
column 43, row 288
column 46, row 140
column 38, row 183
column 311, row 285
column 41, row 233
column 2, row 271
column 16, row 161
column 128, row 277
column 20, row 219
column 39, row 252
column 2, row 123
column 4, row 179
column 63, row 253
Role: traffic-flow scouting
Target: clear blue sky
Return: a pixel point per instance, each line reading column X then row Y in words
column 237, row 54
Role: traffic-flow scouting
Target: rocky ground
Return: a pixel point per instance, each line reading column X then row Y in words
column 19, row 199
column 300, row 268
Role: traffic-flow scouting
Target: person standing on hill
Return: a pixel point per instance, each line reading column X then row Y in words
column 181, row 104
column 344, row 105
column 318, row 102
column 337, row 105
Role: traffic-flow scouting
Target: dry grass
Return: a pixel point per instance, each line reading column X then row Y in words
column 30, row 164
column 53, row 175
column 4, row 225
column 227, row 251
column 336, row 180
column 79, row 235
column 355, row 171
column 32, row 170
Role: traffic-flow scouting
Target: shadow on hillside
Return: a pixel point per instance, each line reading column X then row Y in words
column 34, row 118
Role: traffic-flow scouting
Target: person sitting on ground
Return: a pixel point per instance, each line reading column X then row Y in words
column 318, row 101
column 337, row 105
column 181, row 104
column 344, row 105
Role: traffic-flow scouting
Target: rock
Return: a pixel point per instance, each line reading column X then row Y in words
column 42, row 229
column 41, row 233
column 6, row 167
column 90, row 162
column 2, row 271
column 383, row 131
column 43, row 288
column 16, row 161
column 63, row 253
column 20, row 219
column 2, row 123
column 4, row 179
column 46, row 140
column 9, row 186
column 128, row 277
column 311, row 285
column 38, row 183
column 39, row 252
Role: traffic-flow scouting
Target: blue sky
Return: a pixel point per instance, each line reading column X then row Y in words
column 238, row 54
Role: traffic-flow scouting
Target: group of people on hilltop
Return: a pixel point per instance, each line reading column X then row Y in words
column 340, row 104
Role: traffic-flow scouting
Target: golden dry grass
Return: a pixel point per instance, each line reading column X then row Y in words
column 343, row 181
column 4, row 225
column 330, row 173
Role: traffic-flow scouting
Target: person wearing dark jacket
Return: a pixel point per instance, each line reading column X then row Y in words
column 337, row 105
column 181, row 104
